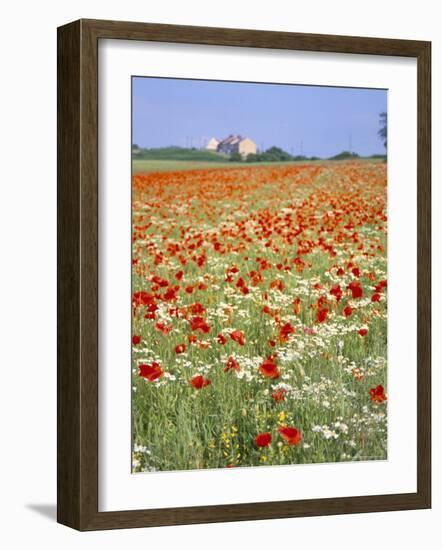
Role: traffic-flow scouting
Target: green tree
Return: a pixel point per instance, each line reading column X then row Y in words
column 344, row 156
column 235, row 157
column 275, row 154
column 382, row 132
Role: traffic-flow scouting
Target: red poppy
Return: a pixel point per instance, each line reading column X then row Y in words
column 165, row 329
column 279, row 395
column 232, row 364
column 142, row 298
column 363, row 332
column 321, row 315
column 171, row 294
column 356, row 272
column 198, row 381
column 377, row 394
column 299, row 263
column 285, row 331
column 356, row 289
column 263, row 440
column 160, row 281
column 376, row 297
column 256, row 278
column 221, row 339
column 179, row 275
column 192, row 339
column 152, row 372
column 380, row 286
column 336, row 292
column 347, row 311
column 238, row 337
column 269, row 368
column 136, row 340
column 180, row 348
column 199, row 323
column 291, row 435
column 278, row 284
column 152, row 307
column 197, row 309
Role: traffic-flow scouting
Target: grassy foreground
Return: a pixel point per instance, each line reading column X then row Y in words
column 259, row 316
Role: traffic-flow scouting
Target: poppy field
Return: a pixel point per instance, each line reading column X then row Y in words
column 259, row 316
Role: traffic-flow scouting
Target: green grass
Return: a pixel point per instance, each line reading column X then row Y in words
column 140, row 166
column 144, row 166
column 179, row 153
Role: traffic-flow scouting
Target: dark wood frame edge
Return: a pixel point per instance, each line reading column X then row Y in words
column 77, row 278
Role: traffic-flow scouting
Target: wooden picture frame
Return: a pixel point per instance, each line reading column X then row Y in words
column 78, row 274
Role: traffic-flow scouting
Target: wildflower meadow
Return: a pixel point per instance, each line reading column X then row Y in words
column 259, row 315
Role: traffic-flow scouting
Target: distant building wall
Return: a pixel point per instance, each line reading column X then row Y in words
column 246, row 147
column 212, row 144
column 228, row 148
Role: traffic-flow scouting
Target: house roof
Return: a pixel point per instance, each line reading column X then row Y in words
column 231, row 140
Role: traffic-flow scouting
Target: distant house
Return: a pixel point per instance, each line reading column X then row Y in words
column 233, row 144
column 212, row 144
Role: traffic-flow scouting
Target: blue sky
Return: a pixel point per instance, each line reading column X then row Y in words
column 314, row 120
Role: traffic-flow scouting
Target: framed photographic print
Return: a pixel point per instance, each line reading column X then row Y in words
column 243, row 274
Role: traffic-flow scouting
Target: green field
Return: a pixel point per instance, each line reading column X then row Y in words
column 146, row 166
